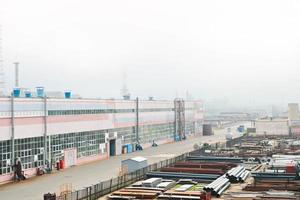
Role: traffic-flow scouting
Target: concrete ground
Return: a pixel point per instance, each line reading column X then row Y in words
column 92, row 173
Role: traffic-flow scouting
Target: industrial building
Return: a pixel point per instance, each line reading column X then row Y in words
column 293, row 114
column 41, row 131
column 270, row 126
column 293, row 111
column 288, row 125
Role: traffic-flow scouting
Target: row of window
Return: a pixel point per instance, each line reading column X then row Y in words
column 190, row 127
column 101, row 111
column 5, row 156
column 149, row 133
column 86, row 143
column 31, row 150
column 88, row 112
column 28, row 150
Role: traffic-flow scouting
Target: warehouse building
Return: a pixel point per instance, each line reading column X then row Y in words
column 270, row 126
column 293, row 114
column 41, row 131
column 293, row 111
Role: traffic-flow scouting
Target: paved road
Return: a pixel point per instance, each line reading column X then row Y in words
column 85, row 175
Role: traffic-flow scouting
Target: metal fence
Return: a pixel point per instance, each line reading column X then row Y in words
column 106, row 187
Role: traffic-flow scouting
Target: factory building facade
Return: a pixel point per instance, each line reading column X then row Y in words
column 40, row 131
column 270, row 126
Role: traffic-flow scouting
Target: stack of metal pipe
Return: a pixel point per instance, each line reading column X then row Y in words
column 277, row 176
column 244, row 176
column 177, row 176
column 237, row 174
column 215, row 159
column 218, row 186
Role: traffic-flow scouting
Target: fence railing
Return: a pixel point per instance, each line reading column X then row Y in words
column 106, row 187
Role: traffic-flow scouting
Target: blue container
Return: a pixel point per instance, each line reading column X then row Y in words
column 40, row 92
column 68, row 94
column 129, row 148
column 27, row 94
column 16, row 92
column 241, row 129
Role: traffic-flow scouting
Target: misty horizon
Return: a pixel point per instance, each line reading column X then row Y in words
column 243, row 52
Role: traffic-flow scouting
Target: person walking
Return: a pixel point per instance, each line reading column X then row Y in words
column 18, row 170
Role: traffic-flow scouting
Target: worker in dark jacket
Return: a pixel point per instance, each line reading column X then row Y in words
column 18, row 170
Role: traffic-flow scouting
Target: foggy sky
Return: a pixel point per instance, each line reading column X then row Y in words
column 247, row 52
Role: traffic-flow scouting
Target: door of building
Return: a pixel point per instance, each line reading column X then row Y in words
column 112, row 147
column 70, row 157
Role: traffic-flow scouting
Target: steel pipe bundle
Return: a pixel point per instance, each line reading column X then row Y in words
column 192, row 170
column 244, row 176
column 264, row 175
column 237, row 174
column 177, row 176
column 179, row 197
column 206, row 165
column 219, row 193
column 266, row 185
column 218, row 186
column 215, row 159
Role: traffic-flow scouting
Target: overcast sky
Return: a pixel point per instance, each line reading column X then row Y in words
column 247, row 52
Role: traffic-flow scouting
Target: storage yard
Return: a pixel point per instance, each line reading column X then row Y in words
column 266, row 170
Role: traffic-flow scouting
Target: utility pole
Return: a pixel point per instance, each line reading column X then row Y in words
column 47, row 142
column 12, row 129
column 2, row 75
column 137, row 121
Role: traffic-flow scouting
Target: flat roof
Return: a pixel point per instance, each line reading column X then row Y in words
column 138, row 159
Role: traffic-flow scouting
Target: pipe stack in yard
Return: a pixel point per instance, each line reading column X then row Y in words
column 207, row 165
column 177, row 176
column 188, row 179
column 192, row 170
column 218, row 186
column 215, row 159
column 237, row 174
column 201, row 176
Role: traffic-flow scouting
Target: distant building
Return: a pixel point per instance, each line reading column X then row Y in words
column 235, row 116
column 293, row 111
column 270, row 126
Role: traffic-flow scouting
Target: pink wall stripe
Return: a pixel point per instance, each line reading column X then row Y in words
column 61, row 119
column 52, row 119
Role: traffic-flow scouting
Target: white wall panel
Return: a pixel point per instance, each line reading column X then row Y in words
column 272, row 127
column 26, row 131
column 70, row 127
column 5, row 133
